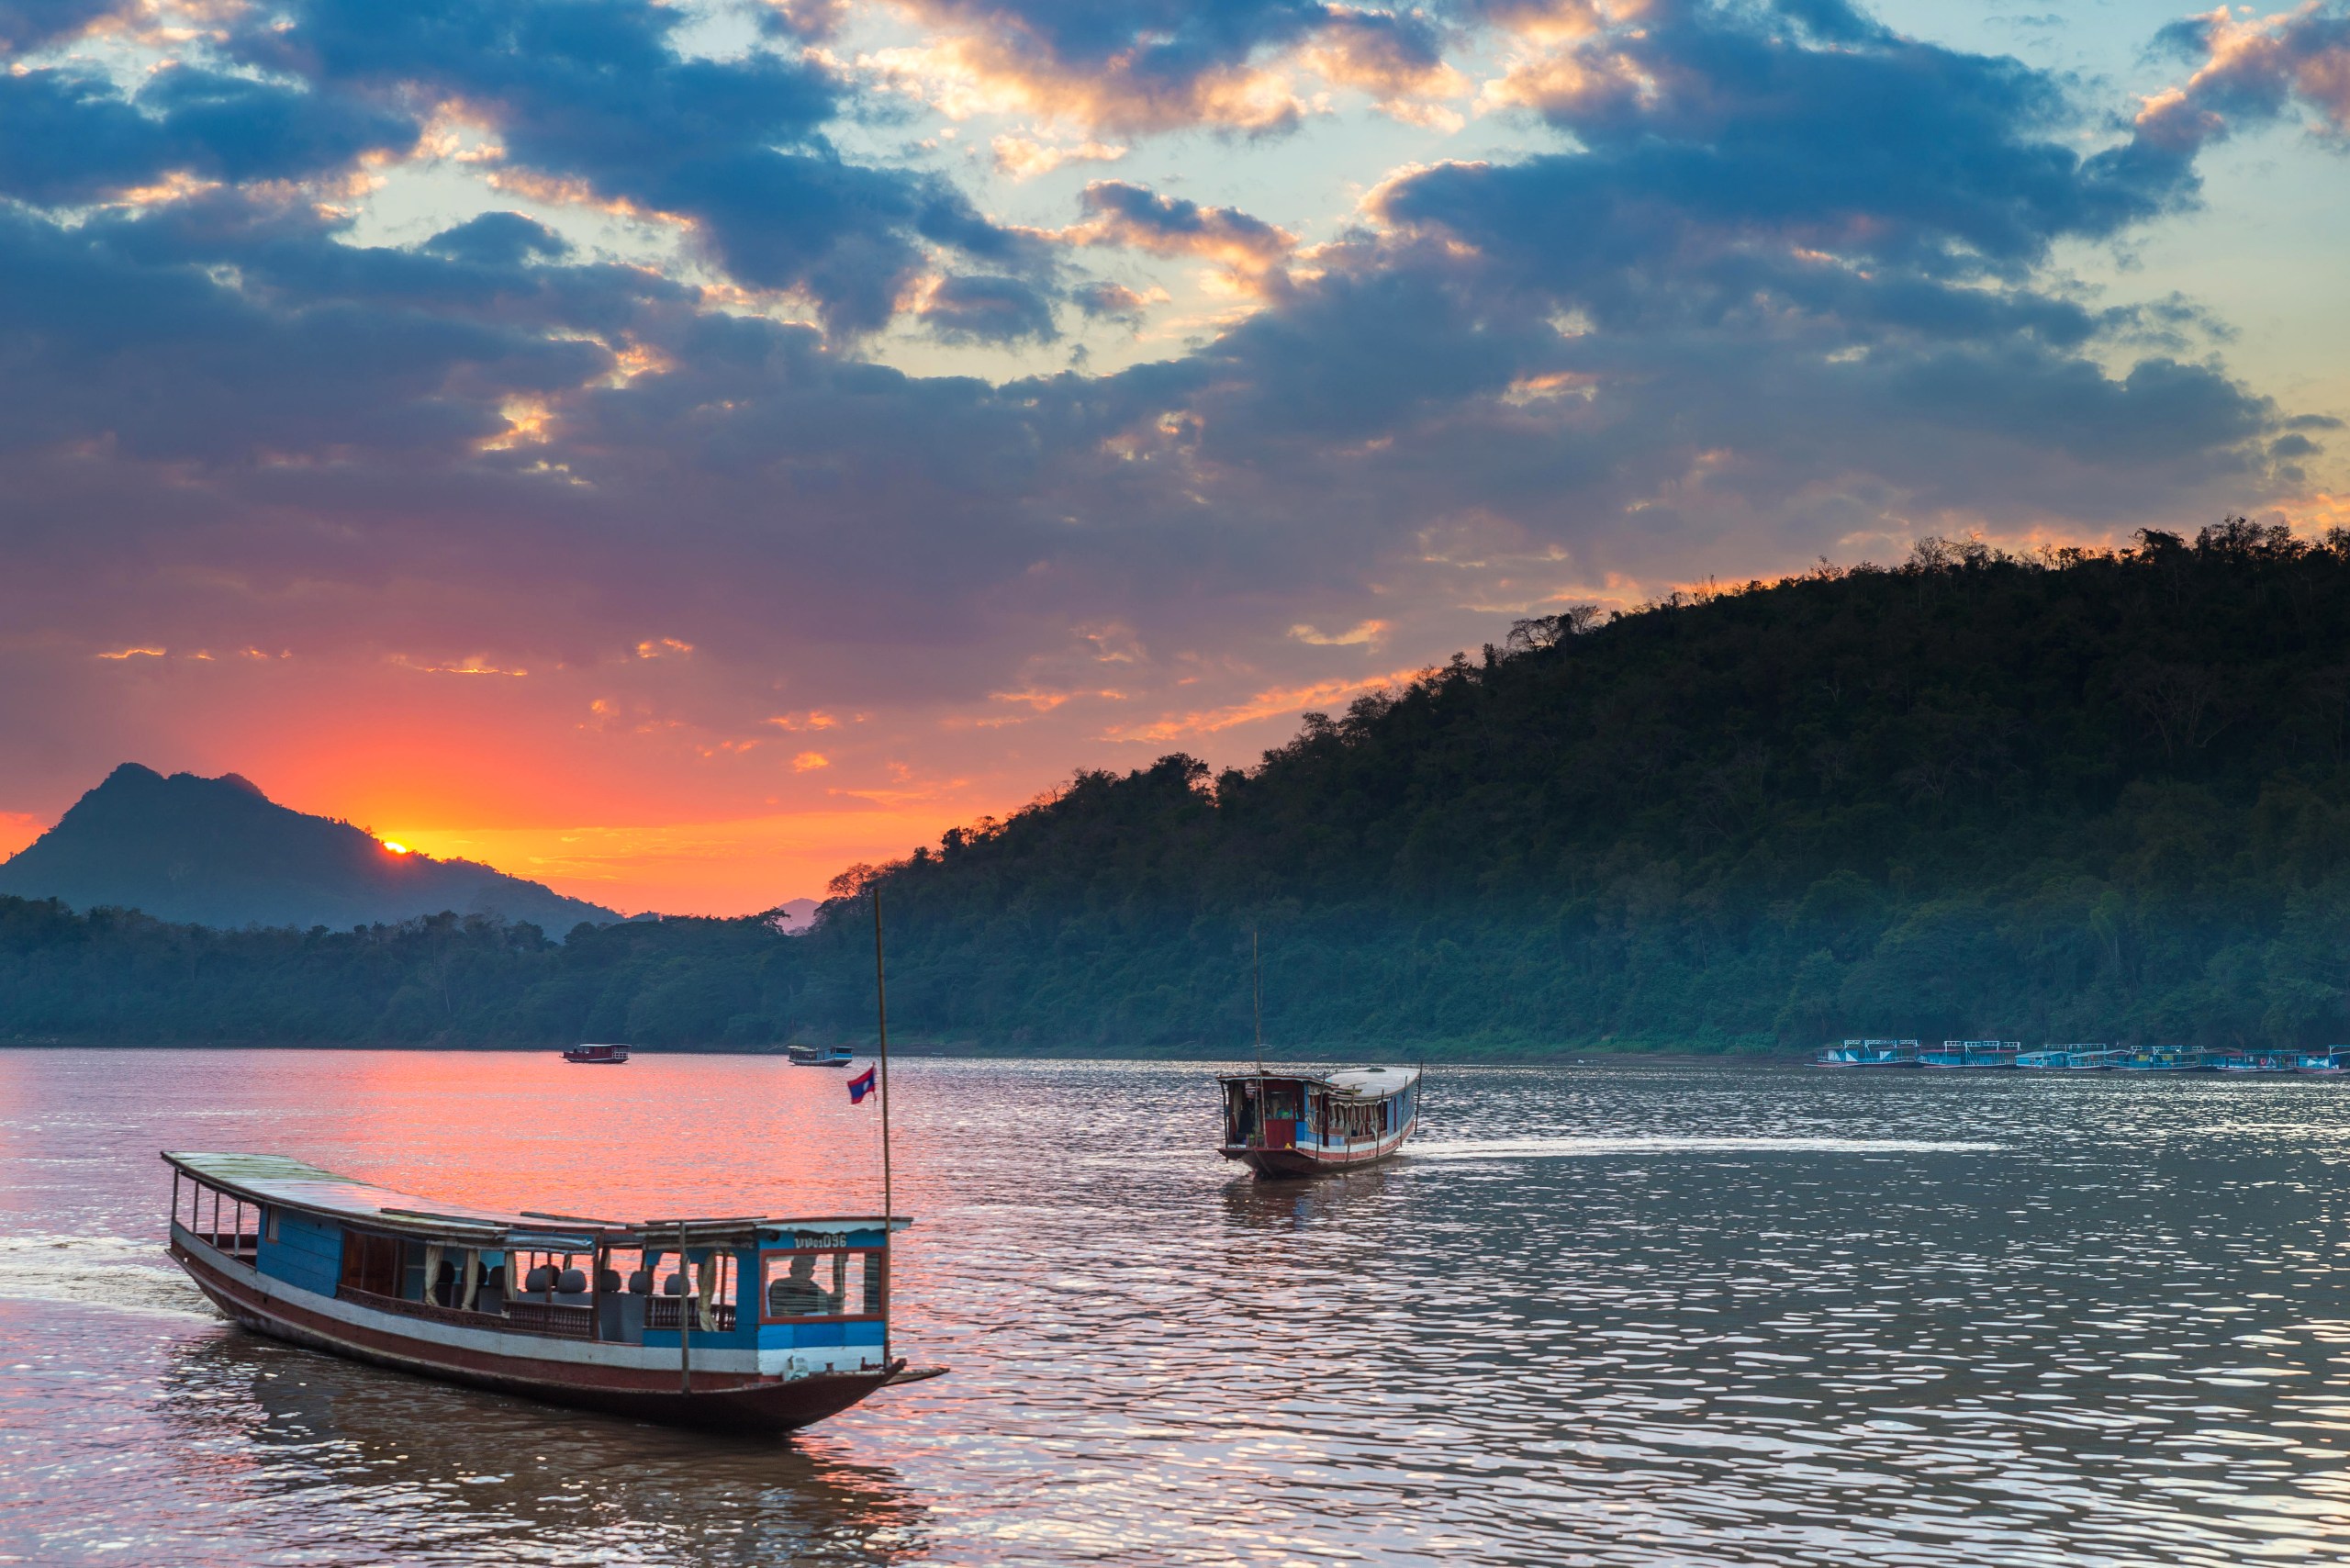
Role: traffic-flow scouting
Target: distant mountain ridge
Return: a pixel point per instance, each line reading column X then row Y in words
column 218, row 852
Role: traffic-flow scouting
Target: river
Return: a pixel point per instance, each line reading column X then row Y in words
column 1620, row 1313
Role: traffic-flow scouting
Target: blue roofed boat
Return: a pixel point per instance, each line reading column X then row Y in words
column 2070, row 1058
column 753, row 1323
column 820, row 1055
column 1869, row 1053
column 2165, row 1058
column 1974, row 1056
column 2253, row 1063
column 2332, row 1062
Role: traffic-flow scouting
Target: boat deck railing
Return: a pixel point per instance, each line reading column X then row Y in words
column 240, row 1246
column 662, row 1312
column 557, row 1318
column 429, row 1311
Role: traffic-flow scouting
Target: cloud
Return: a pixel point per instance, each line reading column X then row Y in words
column 1363, row 634
column 68, row 136
column 1137, row 218
column 1134, row 67
column 988, row 310
column 597, row 93
column 1396, row 57
column 1115, row 302
column 2251, row 72
column 1023, row 159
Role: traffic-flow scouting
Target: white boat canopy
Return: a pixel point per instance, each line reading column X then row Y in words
column 274, row 1179
column 1367, row 1082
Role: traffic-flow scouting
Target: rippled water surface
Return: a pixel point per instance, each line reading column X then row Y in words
column 1619, row 1314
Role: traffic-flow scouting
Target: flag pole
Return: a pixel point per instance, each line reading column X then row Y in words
column 1257, row 987
column 889, row 1214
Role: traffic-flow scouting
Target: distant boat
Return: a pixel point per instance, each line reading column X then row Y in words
column 2070, row 1058
column 2254, row 1061
column 1291, row 1123
column 597, row 1055
column 2332, row 1062
column 751, row 1323
column 1974, row 1055
column 1288, row 1123
column 2165, row 1058
column 820, row 1055
column 1869, row 1053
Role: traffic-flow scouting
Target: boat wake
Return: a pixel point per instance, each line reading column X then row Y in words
column 98, row 1271
column 1570, row 1147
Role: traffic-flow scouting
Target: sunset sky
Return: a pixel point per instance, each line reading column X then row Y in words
column 673, row 450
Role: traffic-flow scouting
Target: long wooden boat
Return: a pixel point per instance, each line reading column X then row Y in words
column 2332, row 1062
column 820, row 1055
column 1972, row 1056
column 2253, row 1063
column 1869, row 1053
column 759, row 1324
column 597, row 1055
column 1286, row 1123
column 2070, row 1058
column 2166, row 1059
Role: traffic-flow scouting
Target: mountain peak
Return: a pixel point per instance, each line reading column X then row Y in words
column 218, row 852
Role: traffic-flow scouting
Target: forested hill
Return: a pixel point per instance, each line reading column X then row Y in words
column 2085, row 796
column 2080, row 797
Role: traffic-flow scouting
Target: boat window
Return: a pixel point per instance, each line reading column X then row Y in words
column 371, row 1262
column 822, row 1283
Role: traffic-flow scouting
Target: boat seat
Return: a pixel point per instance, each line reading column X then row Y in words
column 608, row 1280
column 675, row 1285
column 572, row 1281
column 640, row 1283
column 540, row 1278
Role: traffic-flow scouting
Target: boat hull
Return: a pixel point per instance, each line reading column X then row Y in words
column 1292, row 1161
column 728, row 1401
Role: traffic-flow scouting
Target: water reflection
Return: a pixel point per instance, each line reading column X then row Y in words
column 454, row 1474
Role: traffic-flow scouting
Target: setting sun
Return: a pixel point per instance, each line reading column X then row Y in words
column 395, row 848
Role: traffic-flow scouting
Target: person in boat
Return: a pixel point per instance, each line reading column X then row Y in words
column 798, row 1295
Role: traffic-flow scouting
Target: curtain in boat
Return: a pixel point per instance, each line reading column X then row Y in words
column 707, row 1290
column 432, row 1270
column 471, row 1271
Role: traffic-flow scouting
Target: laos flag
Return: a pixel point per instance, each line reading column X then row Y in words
column 860, row 1086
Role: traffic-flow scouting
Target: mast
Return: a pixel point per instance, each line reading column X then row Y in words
column 889, row 1214
column 1257, row 969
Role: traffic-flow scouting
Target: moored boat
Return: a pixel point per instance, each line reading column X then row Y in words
column 2070, row 1058
column 1289, row 1124
column 2163, row 1058
column 2253, row 1062
column 597, row 1055
column 1869, row 1053
column 820, row 1055
column 1972, row 1055
column 2332, row 1062
column 762, row 1324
